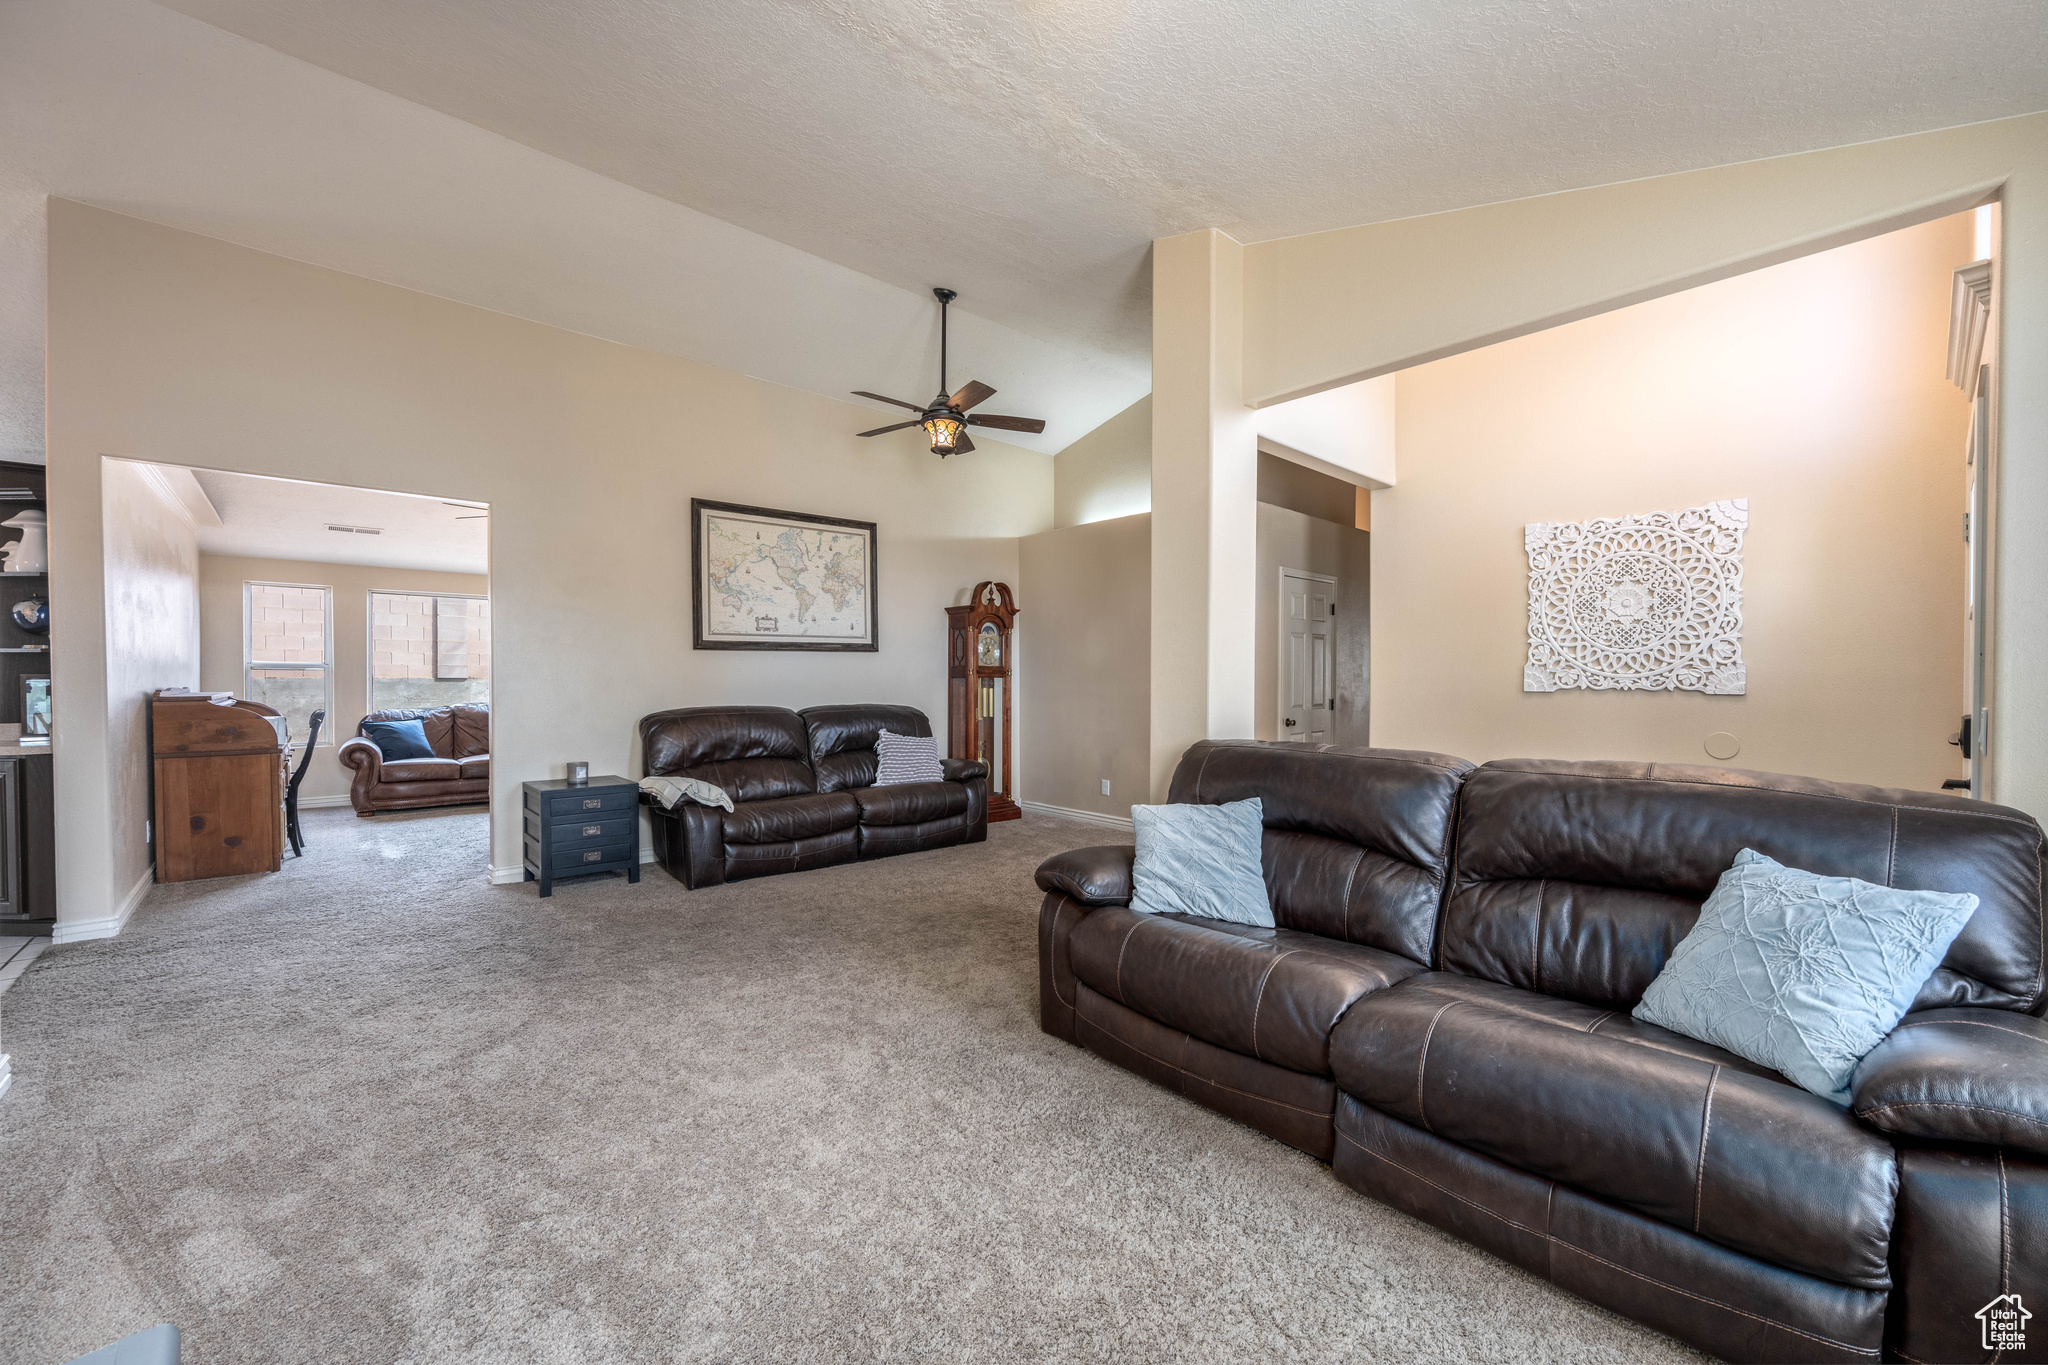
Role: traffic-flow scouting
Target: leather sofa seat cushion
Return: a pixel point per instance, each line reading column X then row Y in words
column 793, row 855
column 1272, row 994
column 422, row 770
column 911, row 803
column 1675, row 1129
column 789, row 819
column 476, row 765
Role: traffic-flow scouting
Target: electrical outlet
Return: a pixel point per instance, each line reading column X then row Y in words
column 148, row 834
column 1105, row 786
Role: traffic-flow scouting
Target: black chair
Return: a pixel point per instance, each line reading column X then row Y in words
column 291, row 791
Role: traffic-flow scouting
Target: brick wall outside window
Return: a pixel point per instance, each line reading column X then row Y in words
column 427, row 650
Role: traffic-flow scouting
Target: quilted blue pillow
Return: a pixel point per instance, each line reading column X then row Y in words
column 1802, row 973
column 1201, row 860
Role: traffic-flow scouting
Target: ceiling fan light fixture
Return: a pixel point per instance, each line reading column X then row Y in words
column 944, row 428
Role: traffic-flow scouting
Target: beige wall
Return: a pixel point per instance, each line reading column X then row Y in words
column 178, row 348
column 220, row 633
column 1108, row 472
column 1815, row 389
column 1291, row 540
column 151, row 623
column 1084, row 640
column 1336, row 307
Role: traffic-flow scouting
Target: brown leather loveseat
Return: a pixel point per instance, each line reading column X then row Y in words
column 1443, row 1014
column 802, row 785
column 458, row 774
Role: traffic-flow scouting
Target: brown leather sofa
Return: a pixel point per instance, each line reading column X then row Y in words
column 459, row 773
column 1443, row 1014
column 802, row 785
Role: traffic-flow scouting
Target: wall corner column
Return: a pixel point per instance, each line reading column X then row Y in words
column 1204, row 501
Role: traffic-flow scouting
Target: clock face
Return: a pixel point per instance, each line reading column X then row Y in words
column 990, row 651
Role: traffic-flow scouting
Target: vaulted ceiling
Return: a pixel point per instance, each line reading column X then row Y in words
column 773, row 186
column 1026, row 151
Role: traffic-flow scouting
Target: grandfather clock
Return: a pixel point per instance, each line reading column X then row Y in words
column 978, row 689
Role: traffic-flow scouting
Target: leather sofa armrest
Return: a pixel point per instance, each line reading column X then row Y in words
column 360, row 753
column 963, row 769
column 1960, row 1075
column 1092, row 876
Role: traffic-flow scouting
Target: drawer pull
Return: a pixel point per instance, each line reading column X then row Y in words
column 592, row 831
column 594, row 803
column 596, row 855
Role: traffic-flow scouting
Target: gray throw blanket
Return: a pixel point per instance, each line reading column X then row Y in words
column 671, row 790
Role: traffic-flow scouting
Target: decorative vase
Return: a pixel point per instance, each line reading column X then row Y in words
column 32, row 614
column 30, row 554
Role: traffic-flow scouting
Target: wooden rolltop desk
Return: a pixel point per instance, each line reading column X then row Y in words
column 219, row 782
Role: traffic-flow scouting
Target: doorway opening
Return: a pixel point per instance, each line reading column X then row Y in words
column 354, row 623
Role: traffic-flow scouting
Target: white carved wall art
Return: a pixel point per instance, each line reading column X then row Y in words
column 1651, row 602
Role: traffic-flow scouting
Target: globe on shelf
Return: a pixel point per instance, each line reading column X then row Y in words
column 32, row 614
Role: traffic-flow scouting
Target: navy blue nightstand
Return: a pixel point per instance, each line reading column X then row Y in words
column 574, row 830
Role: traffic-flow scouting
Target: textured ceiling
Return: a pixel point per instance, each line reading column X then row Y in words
column 148, row 112
column 1025, row 151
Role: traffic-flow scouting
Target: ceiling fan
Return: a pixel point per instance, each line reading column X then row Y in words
column 946, row 419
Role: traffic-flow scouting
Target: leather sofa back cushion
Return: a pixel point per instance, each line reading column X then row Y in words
column 1578, row 879
column 842, row 740
column 472, row 729
column 1357, row 840
column 756, row 753
column 437, row 721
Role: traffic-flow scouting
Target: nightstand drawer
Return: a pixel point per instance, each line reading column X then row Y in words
column 602, row 857
column 567, row 834
column 585, row 805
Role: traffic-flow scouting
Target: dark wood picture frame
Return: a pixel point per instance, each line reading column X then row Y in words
column 700, row 506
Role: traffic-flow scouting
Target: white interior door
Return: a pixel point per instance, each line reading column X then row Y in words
column 1308, row 665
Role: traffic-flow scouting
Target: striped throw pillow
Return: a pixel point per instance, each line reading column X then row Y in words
column 906, row 758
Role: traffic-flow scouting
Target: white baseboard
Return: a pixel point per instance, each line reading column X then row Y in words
column 1122, row 822
column 6, row 1072
column 71, row 931
column 505, row 876
column 322, row 802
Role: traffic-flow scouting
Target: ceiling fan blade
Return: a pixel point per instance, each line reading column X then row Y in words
column 879, row 430
column 863, row 393
column 989, row 419
column 972, row 392
column 964, row 444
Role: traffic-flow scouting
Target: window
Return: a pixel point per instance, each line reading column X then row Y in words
column 287, row 646
column 428, row 649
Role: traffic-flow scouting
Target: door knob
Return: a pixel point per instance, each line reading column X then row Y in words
column 1290, row 722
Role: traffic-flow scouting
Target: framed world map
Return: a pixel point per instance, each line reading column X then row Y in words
column 762, row 579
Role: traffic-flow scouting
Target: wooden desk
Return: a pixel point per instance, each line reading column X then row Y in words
column 219, row 779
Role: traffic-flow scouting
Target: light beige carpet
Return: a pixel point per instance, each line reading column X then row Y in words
column 373, row 1109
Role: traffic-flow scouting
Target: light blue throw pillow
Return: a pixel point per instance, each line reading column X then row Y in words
column 1201, row 860
column 1802, row 973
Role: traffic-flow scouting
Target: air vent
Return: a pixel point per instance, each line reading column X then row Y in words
column 356, row 530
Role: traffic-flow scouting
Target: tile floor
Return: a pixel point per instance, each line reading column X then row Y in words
column 16, row 954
